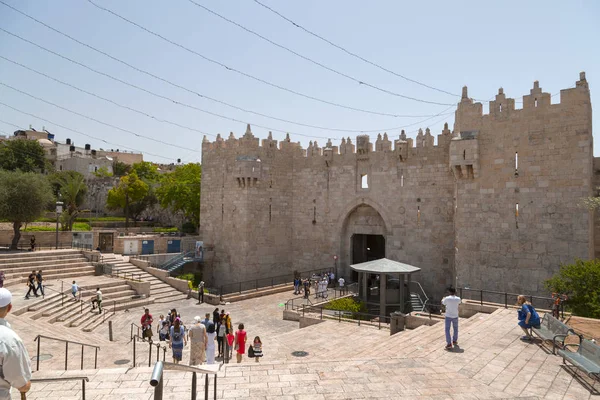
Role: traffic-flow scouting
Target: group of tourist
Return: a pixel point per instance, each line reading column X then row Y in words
column 35, row 283
column 201, row 335
column 317, row 282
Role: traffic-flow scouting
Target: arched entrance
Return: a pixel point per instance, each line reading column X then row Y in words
column 363, row 238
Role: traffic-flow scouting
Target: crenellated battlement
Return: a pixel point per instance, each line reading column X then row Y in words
column 470, row 115
column 363, row 144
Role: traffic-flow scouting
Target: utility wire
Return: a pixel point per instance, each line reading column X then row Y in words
column 342, row 74
column 81, row 133
column 352, row 53
column 107, row 100
column 171, row 100
column 139, row 135
column 236, row 70
column 171, row 83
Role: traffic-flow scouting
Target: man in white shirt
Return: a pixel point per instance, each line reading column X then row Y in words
column 341, row 282
column 15, row 367
column 451, row 302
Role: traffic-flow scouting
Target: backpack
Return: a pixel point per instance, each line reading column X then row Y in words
column 250, row 351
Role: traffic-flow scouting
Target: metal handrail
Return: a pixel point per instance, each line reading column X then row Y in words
column 135, row 338
column 505, row 294
column 38, row 338
column 341, row 312
column 424, row 302
column 287, row 278
column 157, row 381
column 83, row 379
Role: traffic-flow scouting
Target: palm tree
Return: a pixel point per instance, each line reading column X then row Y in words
column 72, row 192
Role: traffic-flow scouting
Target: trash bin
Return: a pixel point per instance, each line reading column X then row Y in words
column 397, row 322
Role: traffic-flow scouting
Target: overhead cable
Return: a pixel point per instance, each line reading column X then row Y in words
column 352, row 53
column 277, row 86
column 342, row 74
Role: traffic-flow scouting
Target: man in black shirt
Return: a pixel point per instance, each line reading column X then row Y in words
column 40, row 280
column 31, row 284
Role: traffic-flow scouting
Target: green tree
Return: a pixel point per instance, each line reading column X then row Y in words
column 23, row 198
column 121, row 169
column 581, row 282
column 146, row 171
column 103, row 173
column 130, row 191
column 179, row 191
column 24, row 155
column 70, row 188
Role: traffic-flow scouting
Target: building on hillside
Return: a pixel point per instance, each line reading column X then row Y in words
column 126, row 157
column 492, row 205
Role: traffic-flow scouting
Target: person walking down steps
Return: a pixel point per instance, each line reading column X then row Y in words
column 97, row 301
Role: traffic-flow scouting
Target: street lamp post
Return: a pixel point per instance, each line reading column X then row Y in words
column 59, row 205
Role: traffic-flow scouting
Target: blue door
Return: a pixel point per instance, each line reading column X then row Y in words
column 147, row 246
column 173, row 246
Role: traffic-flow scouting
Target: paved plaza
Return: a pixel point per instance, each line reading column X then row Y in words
column 343, row 361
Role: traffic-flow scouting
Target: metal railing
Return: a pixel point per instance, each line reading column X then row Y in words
column 416, row 288
column 38, row 338
column 338, row 292
column 109, row 269
column 151, row 344
column 83, row 380
column 492, row 296
column 157, row 380
column 348, row 316
column 261, row 283
column 171, row 264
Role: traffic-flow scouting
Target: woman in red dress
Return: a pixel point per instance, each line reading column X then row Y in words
column 240, row 342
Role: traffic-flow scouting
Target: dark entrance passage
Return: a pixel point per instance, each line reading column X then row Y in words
column 366, row 248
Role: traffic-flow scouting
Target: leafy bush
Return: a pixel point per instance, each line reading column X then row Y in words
column 39, row 229
column 188, row 227
column 101, row 219
column 165, row 230
column 81, row 226
column 347, row 304
column 196, row 278
column 581, row 282
column 44, row 219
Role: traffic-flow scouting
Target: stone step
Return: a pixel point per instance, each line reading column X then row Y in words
column 29, row 254
column 39, row 261
column 53, row 274
column 99, row 321
column 46, row 270
column 169, row 298
column 108, row 302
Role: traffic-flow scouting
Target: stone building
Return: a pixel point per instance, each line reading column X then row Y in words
column 492, row 204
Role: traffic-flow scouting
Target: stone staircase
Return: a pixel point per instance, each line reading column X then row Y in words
column 350, row 362
column 55, row 264
column 160, row 292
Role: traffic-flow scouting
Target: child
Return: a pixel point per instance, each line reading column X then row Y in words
column 160, row 323
column 163, row 333
column 257, row 346
column 230, row 338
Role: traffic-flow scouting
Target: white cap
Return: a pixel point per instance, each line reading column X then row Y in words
column 5, row 297
column 197, row 319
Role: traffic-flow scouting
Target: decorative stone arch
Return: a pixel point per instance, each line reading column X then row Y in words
column 354, row 204
column 382, row 224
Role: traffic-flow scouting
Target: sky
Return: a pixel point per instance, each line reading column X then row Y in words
column 442, row 45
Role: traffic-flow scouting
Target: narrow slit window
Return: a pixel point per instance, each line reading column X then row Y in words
column 516, row 163
column 270, row 216
column 464, row 154
column 517, row 215
column 364, row 181
column 418, row 215
column 500, row 107
column 535, row 103
column 402, row 181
